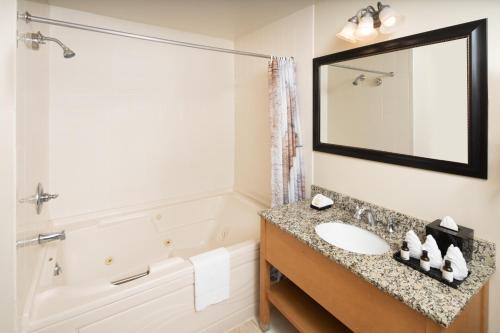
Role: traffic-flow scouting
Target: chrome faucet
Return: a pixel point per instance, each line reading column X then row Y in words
column 42, row 239
column 369, row 215
column 45, row 238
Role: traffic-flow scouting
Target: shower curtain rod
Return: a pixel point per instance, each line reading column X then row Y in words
column 27, row 17
column 363, row 70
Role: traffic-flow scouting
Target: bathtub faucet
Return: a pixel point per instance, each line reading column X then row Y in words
column 42, row 239
column 45, row 238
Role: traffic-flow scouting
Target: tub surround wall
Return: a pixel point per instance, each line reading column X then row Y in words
column 427, row 195
column 32, row 120
column 425, row 295
column 160, row 117
column 32, row 125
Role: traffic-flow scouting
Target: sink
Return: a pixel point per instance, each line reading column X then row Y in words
column 352, row 238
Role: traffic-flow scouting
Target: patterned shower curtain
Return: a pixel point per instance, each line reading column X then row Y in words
column 287, row 175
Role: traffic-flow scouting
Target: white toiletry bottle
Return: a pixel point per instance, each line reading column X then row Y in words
column 405, row 251
column 447, row 271
column 425, row 262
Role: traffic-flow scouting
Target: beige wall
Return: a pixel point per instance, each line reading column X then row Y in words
column 440, row 101
column 291, row 36
column 134, row 122
column 7, row 165
column 424, row 194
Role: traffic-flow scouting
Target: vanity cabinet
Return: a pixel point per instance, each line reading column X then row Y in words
column 320, row 295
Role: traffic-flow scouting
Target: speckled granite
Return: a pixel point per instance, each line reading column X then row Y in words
column 427, row 296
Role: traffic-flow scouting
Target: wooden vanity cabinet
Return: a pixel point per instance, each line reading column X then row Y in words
column 322, row 296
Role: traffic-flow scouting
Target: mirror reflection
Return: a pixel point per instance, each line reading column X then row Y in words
column 411, row 102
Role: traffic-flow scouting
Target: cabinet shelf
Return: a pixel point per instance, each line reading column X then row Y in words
column 302, row 311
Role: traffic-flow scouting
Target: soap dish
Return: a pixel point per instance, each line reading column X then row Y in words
column 433, row 272
column 320, row 208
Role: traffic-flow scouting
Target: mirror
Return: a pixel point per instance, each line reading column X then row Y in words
column 411, row 102
column 418, row 101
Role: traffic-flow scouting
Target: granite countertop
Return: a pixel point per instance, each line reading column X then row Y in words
column 430, row 297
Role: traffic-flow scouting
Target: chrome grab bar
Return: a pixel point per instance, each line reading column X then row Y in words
column 130, row 278
column 42, row 239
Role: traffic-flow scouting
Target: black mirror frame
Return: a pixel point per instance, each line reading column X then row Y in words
column 476, row 34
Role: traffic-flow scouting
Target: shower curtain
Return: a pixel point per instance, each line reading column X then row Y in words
column 287, row 175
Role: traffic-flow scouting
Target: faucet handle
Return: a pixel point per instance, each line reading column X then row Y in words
column 358, row 212
column 391, row 225
column 39, row 198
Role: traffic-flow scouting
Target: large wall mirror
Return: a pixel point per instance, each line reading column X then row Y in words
column 418, row 101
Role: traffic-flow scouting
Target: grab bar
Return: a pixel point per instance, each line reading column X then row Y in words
column 130, row 278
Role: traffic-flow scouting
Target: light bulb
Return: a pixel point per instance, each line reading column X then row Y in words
column 347, row 32
column 390, row 20
column 365, row 30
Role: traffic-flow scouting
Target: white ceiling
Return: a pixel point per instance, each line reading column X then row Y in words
column 219, row 18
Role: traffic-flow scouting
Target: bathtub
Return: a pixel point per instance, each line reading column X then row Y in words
column 128, row 272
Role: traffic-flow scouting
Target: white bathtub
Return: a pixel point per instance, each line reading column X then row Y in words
column 159, row 240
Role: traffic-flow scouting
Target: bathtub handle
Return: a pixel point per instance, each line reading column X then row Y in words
column 130, row 278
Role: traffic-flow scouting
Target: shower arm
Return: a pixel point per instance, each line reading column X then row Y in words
column 33, row 41
column 52, row 39
column 42, row 39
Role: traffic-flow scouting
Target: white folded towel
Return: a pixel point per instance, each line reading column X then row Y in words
column 455, row 256
column 211, row 277
column 414, row 244
column 433, row 251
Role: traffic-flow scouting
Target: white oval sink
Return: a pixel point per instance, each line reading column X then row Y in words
column 352, row 238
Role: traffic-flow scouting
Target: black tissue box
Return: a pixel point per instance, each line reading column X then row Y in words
column 463, row 238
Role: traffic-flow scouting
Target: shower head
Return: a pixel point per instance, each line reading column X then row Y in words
column 33, row 41
column 68, row 53
column 359, row 78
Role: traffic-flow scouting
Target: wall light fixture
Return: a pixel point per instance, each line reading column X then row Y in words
column 363, row 26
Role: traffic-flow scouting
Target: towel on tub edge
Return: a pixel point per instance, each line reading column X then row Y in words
column 211, row 277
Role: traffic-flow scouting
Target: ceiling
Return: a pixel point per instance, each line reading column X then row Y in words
column 219, row 18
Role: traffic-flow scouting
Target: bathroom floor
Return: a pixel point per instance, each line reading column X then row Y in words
column 279, row 324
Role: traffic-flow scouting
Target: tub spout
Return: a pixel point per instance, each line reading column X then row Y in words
column 42, row 239
column 45, row 238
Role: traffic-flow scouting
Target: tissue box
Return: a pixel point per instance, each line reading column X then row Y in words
column 463, row 238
